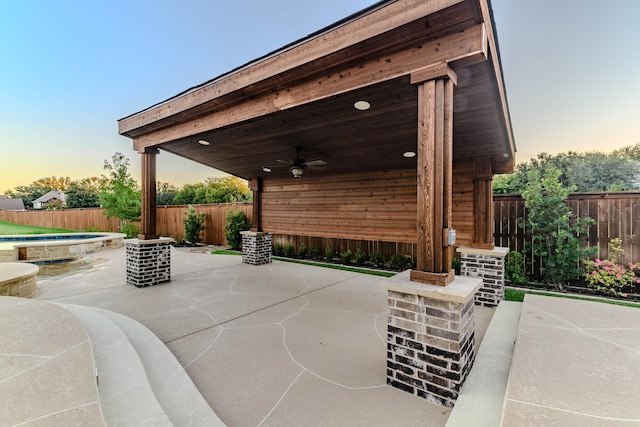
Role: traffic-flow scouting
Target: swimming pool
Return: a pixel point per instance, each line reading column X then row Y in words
column 41, row 248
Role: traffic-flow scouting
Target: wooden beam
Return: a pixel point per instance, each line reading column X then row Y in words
column 350, row 33
column 469, row 43
column 441, row 70
column 148, row 216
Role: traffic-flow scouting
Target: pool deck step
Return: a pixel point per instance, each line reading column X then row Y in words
column 140, row 381
column 482, row 398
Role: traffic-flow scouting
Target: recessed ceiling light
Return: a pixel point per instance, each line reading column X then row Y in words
column 362, row 105
column 409, row 154
column 505, row 155
column 203, row 142
column 266, row 169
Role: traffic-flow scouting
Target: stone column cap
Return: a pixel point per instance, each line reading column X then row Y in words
column 460, row 291
column 497, row 251
column 149, row 241
column 254, row 233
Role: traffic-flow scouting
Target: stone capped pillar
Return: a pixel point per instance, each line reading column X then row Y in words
column 256, row 247
column 488, row 265
column 148, row 261
column 430, row 336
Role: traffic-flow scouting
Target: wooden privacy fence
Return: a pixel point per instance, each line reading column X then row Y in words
column 616, row 214
column 169, row 219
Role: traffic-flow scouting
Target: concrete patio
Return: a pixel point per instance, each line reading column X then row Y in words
column 287, row 344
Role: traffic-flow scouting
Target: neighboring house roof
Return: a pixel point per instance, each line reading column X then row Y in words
column 53, row 194
column 9, row 204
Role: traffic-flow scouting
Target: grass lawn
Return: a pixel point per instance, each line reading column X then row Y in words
column 10, row 228
column 518, row 295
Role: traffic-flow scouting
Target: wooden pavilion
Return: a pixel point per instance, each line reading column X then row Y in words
column 356, row 99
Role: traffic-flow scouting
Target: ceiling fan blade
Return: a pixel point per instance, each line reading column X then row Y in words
column 316, row 163
column 286, row 162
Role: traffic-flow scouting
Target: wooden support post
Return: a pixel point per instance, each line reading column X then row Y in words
column 255, row 185
column 435, row 172
column 482, row 204
column 148, row 220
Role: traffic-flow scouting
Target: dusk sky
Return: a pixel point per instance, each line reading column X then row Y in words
column 70, row 69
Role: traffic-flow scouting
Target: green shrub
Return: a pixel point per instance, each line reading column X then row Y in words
column 346, row 256
column 130, row 229
column 236, row 222
column 288, row 250
column 328, row 253
column 514, row 269
column 314, row 252
column 193, row 225
column 455, row 263
column 93, row 230
column 400, row 262
column 302, row 251
column 376, row 259
column 360, row 257
column 278, row 249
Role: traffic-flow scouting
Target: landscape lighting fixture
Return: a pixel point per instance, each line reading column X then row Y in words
column 203, row 142
column 362, row 105
column 297, row 171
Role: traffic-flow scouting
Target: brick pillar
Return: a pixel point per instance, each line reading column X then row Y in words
column 256, row 247
column 148, row 261
column 488, row 265
column 430, row 336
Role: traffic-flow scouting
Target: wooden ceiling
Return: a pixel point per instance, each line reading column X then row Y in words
column 265, row 115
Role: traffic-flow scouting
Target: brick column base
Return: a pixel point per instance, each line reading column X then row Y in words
column 431, row 336
column 148, row 261
column 256, row 247
column 488, row 265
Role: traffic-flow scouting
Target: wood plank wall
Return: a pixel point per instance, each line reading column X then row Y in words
column 372, row 212
column 379, row 206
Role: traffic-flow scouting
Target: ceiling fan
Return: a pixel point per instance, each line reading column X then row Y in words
column 298, row 165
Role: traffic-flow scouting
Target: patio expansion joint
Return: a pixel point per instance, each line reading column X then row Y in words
column 46, row 359
column 222, row 323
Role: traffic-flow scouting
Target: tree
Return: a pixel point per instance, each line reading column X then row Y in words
column 553, row 229
column 119, row 193
column 227, row 190
column 590, row 171
column 214, row 190
column 84, row 193
column 191, row 194
column 165, row 193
